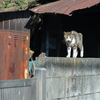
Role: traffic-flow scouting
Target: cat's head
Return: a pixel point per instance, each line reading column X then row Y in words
column 68, row 36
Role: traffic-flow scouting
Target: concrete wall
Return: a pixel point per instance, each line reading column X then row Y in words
column 71, row 79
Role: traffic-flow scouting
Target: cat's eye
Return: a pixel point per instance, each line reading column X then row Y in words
column 71, row 37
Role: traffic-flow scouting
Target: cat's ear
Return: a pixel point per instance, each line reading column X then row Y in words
column 71, row 32
column 65, row 33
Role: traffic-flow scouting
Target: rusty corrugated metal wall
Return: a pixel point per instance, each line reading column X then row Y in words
column 14, row 45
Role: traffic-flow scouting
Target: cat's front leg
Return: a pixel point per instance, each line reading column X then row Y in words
column 75, row 52
column 69, row 52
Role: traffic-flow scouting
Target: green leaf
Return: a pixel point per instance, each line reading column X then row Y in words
column 7, row 2
column 0, row 8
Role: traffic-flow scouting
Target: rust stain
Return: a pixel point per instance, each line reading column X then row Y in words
column 67, row 63
column 9, row 46
column 9, row 36
column 27, row 38
column 12, row 68
column 62, row 61
column 21, row 68
column 14, row 59
column 77, row 62
column 26, row 73
column 25, row 49
column 26, row 53
column 4, row 78
column 26, row 69
column 70, row 62
column 83, row 61
column 97, row 61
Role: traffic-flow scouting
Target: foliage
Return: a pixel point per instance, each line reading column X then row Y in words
column 21, row 5
column 0, row 7
column 30, row 3
column 7, row 3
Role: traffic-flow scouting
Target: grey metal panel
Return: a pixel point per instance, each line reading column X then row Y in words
column 44, row 85
column 21, row 93
column 34, row 90
column 16, row 92
column 12, row 93
column 22, row 89
column 6, row 20
column 40, row 73
column 25, row 89
column 26, row 21
column 18, row 21
column 1, row 21
column 0, row 94
column 15, row 83
column 12, row 21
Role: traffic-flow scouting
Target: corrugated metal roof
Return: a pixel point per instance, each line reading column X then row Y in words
column 64, row 6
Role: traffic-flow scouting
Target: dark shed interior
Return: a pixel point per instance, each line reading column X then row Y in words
column 86, row 21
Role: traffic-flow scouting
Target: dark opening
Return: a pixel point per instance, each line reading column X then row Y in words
column 86, row 21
